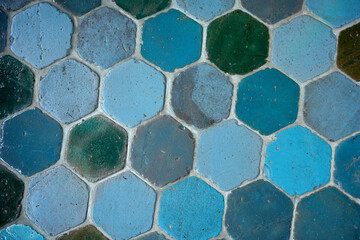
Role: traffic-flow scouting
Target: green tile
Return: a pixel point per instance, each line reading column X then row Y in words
column 142, row 8
column 86, row 233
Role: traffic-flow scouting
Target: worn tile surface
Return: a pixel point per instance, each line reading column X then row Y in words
column 152, row 236
column 85, row 233
column 19, row 232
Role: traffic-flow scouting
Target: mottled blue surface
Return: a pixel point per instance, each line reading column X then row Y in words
column 40, row 35
column 303, row 48
column 258, row 211
column 152, row 236
column 3, row 29
column 78, row 7
column 124, row 206
column 105, row 37
column 191, row 209
column 267, row 101
column 57, row 200
column 332, row 106
column 13, row 4
column 20, row 232
column 133, row 92
column 335, row 12
column 327, row 214
column 347, row 165
column 298, row 161
column 30, row 142
column 171, row 40
column 228, row 154
column 205, row 9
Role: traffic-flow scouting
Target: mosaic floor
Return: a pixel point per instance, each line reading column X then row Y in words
column 179, row 119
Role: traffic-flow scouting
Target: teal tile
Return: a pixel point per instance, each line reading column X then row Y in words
column 3, row 30
column 78, row 7
column 13, row 5
column 20, row 232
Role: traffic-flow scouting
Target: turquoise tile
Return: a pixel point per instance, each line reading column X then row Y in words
column 258, row 211
column 339, row 92
column 3, row 30
column 78, row 7
column 191, row 209
column 124, row 206
column 171, row 40
column 13, row 5
column 20, row 232
column 228, row 154
column 298, row 161
column 105, row 37
column 303, row 48
column 133, row 92
column 267, row 101
column 41, row 34
column 57, row 200
column 30, row 142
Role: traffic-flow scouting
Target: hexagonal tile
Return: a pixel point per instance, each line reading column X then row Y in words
column 203, row 9
column 347, row 165
column 69, row 91
column 13, row 5
column 298, row 161
column 258, row 211
column 40, row 35
column 3, row 30
column 267, row 101
column 18, row 232
column 332, row 106
column 329, row 208
column 303, row 48
column 348, row 51
column 191, row 209
column 30, row 142
column 231, row 149
column 88, row 232
column 16, row 86
column 133, row 92
column 336, row 12
column 171, row 40
column 143, row 8
column 79, row 7
column 152, row 236
column 57, row 200
column 11, row 194
column 237, row 43
column 106, row 37
column 272, row 11
column 97, row 148
column 113, row 200
column 162, row 151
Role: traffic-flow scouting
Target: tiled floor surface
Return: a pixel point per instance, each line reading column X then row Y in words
column 179, row 119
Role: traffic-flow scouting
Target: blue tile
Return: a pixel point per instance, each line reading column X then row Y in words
column 133, row 92
column 228, row 154
column 40, row 35
column 339, row 92
column 124, row 206
column 298, row 161
column 20, row 232
column 13, row 4
column 191, row 209
column 171, row 40
column 79, row 7
column 152, row 236
column 30, row 142
column 3, row 30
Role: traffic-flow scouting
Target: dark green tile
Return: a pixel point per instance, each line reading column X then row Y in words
column 142, row 8
column 237, row 43
column 86, row 233
column 97, row 148
column 79, row 7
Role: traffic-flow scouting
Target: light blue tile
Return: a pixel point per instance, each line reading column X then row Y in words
column 20, row 232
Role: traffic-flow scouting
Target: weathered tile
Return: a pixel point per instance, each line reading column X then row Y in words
column 69, row 91
column 204, row 9
column 16, row 86
column 133, row 92
column 332, row 106
column 258, row 211
column 85, row 233
column 348, row 58
column 347, row 165
column 228, row 154
column 97, row 148
column 11, row 194
column 20, row 232
column 143, row 8
column 40, row 35
column 30, row 142
column 162, row 151
column 105, row 37
column 237, row 43
column 13, row 4
column 201, row 96
column 57, row 200
column 298, row 161
column 124, row 206
column 171, row 40
column 327, row 214
column 191, row 209
column 79, row 7
column 267, row 101
column 3, row 30
column 303, row 48
column 152, row 236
